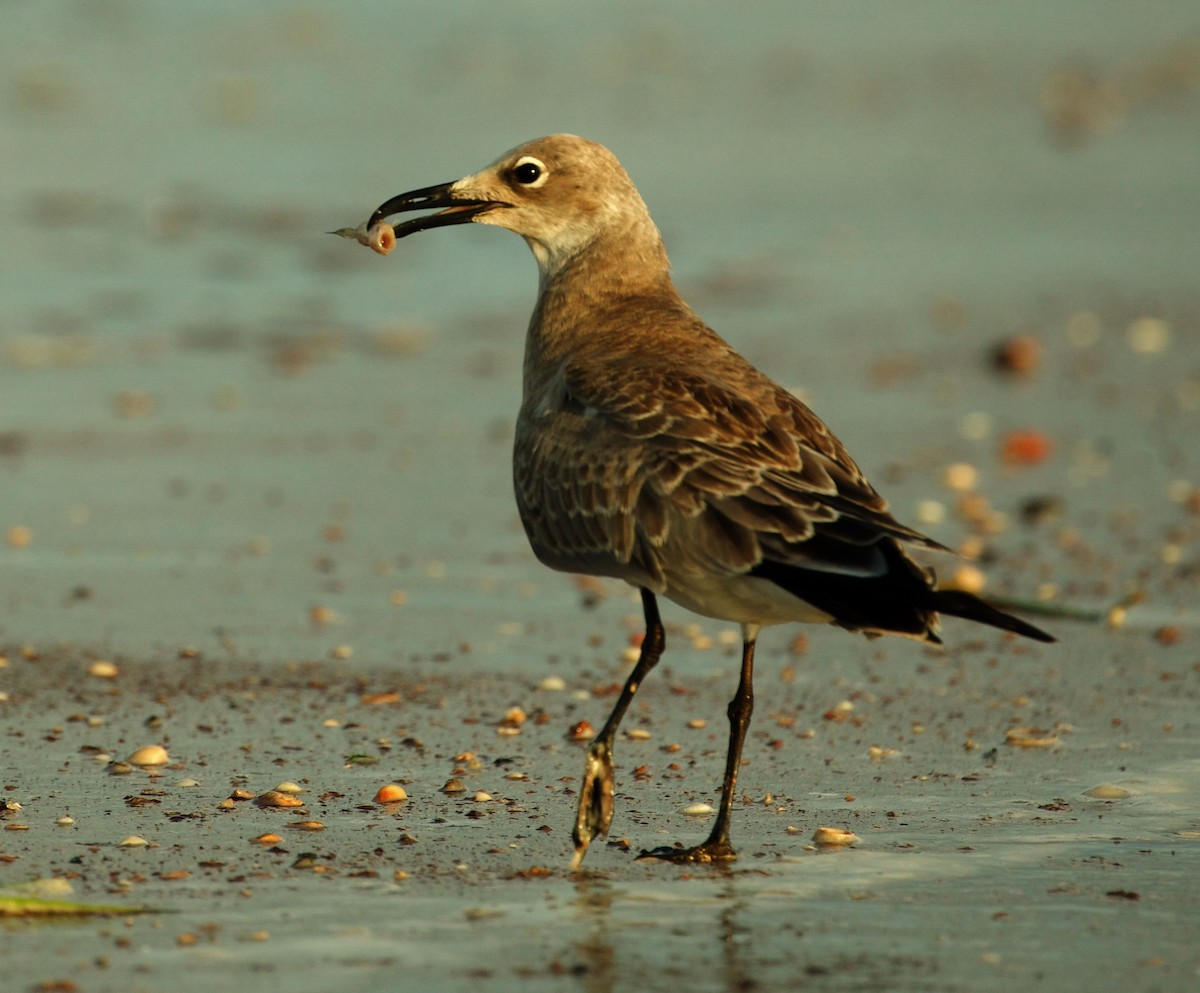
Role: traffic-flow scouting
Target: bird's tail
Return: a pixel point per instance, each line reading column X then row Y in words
column 958, row 603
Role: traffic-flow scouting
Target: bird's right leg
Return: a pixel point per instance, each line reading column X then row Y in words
column 596, row 794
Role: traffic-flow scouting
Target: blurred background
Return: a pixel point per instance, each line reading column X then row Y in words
column 216, row 419
column 965, row 232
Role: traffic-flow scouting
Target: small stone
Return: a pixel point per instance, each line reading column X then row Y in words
column 1019, row 355
column 19, row 536
column 827, row 837
column 101, row 669
column 1148, row 335
column 391, row 793
column 1108, row 791
column 514, row 717
column 149, row 755
column 1025, row 448
column 273, row 798
column 930, row 512
column 969, row 579
column 1026, row 737
column 697, row 809
column 960, row 477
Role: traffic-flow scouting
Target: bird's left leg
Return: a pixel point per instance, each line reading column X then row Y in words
column 596, row 794
column 717, row 847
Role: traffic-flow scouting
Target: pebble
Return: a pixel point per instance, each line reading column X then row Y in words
column 827, row 837
column 960, row 476
column 133, row 841
column 514, row 717
column 320, row 615
column 273, row 798
column 103, row 670
column 553, row 683
column 289, row 787
column 1030, row 738
column 1148, row 335
column 20, row 536
column 1019, row 355
column 1108, row 791
column 697, row 809
column 930, row 512
column 391, row 793
column 149, row 755
column 969, row 579
column 1025, row 448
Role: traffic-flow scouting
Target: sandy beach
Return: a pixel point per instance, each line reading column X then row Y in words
column 265, row 474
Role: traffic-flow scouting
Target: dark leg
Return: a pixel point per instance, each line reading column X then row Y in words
column 717, row 848
column 596, row 794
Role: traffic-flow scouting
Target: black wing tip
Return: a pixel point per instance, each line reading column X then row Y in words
column 958, row 603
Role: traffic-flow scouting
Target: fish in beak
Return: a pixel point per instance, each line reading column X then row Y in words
column 378, row 234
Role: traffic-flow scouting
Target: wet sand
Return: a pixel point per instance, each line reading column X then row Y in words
column 265, row 473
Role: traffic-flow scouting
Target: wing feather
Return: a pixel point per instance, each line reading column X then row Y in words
column 646, row 466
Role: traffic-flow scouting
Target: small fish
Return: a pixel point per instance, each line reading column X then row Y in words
column 358, row 234
column 379, row 237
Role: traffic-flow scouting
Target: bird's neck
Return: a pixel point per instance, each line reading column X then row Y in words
column 586, row 298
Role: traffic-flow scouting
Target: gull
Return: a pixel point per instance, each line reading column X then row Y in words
column 648, row 450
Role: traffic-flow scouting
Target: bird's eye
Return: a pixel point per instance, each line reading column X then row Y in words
column 529, row 172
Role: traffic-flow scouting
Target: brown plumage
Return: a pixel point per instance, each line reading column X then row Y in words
column 648, row 450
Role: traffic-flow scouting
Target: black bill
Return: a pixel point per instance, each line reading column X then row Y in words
column 451, row 209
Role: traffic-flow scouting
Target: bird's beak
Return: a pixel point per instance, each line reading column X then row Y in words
column 456, row 209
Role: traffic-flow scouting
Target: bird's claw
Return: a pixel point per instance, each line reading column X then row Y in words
column 709, row 851
column 595, row 811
